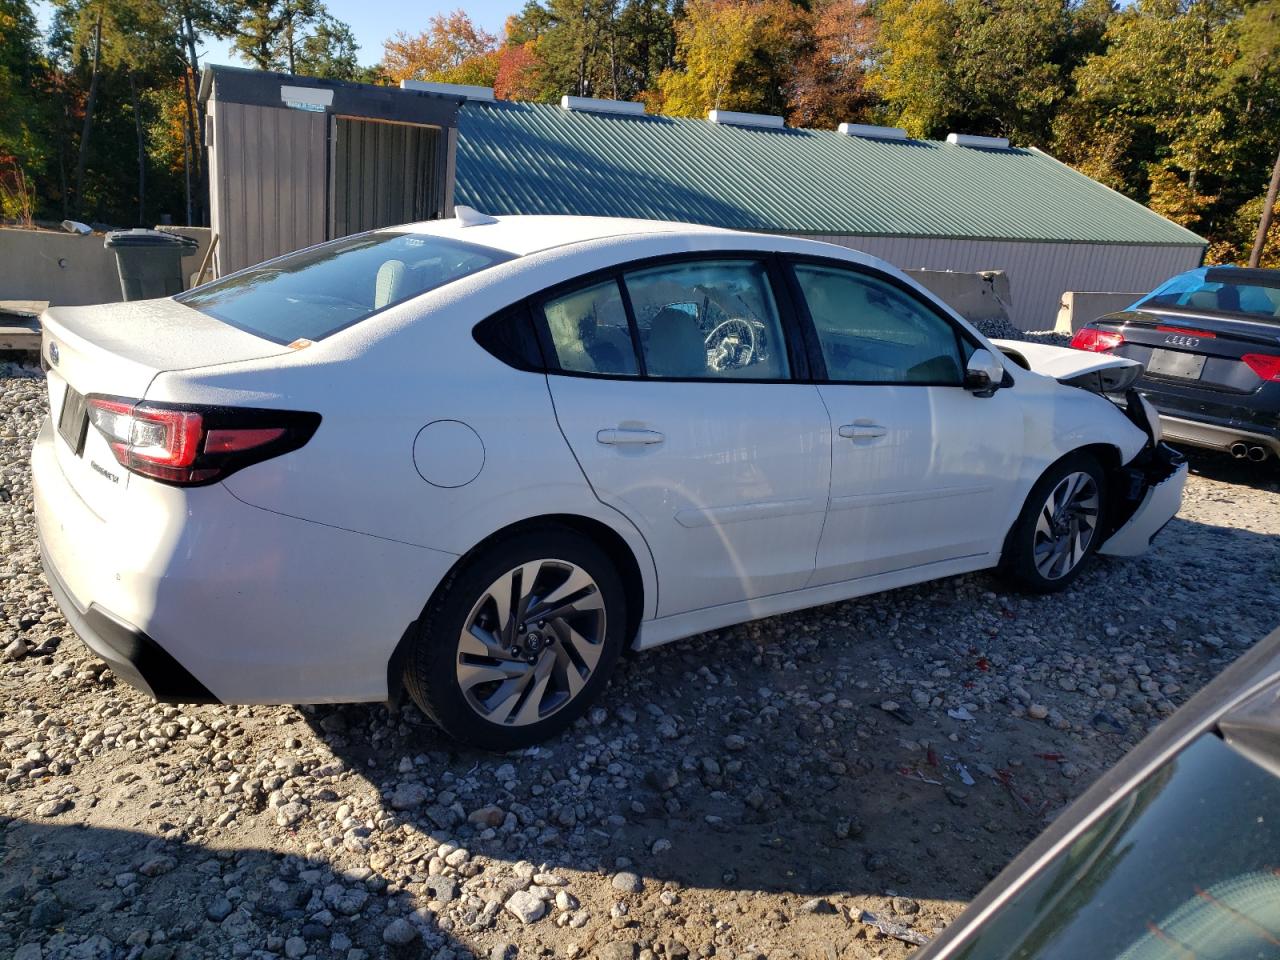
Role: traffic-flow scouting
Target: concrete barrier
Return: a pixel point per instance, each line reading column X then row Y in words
column 1078, row 307
column 983, row 295
column 70, row 270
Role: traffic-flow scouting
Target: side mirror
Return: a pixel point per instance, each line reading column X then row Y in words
column 983, row 374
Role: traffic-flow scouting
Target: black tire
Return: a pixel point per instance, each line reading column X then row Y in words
column 432, row 665
column 1019, row 561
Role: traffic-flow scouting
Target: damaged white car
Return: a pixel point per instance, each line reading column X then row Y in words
column 475, row 459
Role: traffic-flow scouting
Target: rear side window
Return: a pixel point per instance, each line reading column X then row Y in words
column 318, row 291
column 589, row 331
column 872, row 332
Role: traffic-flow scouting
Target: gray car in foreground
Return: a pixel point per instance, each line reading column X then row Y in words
column 1172, row 855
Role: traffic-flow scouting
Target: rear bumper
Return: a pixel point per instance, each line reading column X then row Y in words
column 194, row 596
column 131, row 654
column 1213, row 435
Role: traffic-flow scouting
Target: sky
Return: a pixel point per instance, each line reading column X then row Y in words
column 372, row 21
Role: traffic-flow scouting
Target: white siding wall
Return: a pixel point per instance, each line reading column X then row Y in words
column 1039, row 273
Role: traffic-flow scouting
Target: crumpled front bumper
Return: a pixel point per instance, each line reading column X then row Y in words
column 1161, row 480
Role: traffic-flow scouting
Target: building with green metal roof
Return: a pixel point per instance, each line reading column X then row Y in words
column 295, row 160
column 917, row 203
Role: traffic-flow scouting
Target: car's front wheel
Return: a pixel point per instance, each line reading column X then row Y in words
column 1060, row 526
column 519, row 640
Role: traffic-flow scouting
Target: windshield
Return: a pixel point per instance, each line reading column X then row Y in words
column 318, row 291
column 1186, row 866
column 1254, row 294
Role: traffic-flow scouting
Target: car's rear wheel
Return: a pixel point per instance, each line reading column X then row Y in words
column 519, row 640
column 1060, row 526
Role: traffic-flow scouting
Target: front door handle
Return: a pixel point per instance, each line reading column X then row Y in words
column 862, row 431
column 619, row 436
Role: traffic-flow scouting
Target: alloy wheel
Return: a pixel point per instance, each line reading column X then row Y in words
column 531, row 642
column 1066, row 525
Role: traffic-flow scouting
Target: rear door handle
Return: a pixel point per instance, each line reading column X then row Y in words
column 862, row 431
column 619, row 436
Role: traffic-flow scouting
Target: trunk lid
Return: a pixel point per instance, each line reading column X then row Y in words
column 1168, row 342
column 118, row 349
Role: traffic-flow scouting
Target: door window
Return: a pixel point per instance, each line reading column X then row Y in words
column 708, row 320
column 872, row 332
column 589, row 331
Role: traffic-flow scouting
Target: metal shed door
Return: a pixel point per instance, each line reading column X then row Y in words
column 384, row 173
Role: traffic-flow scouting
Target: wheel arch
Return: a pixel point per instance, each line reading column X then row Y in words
column 1109, row 457
column 607, row 538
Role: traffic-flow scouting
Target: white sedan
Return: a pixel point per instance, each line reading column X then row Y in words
column 475, row 459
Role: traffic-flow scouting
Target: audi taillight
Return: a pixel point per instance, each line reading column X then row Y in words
column 192, row 445
column 1265, row 365
column 1096, row 341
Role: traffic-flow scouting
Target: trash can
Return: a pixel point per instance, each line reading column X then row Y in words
column 149, row 262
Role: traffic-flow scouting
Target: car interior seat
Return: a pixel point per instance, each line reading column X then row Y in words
column 390, row 284
column 675, row 347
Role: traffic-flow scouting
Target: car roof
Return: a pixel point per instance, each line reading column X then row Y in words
column 524, row 235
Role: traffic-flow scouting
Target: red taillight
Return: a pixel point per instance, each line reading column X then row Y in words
column 1265, row 365
column 1187, row 332
column 1096, row 341
column 194, row 445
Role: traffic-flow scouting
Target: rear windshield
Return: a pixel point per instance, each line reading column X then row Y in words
column 1254, row 294
column 318, row 291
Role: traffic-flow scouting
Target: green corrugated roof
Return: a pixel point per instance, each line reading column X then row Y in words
column 529, row 158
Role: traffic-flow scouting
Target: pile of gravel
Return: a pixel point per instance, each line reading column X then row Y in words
column 744, row 794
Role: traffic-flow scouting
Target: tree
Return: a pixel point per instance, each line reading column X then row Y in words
column 1180, row 112
column 329, row 50
column 999, row 67
column 21, row 67
column 296, row 36
column 829, row 84
column 734, row 55
column 451, row 50
column 517, row 76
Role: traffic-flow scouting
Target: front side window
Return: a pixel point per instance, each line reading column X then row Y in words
column 589, row 331
column 872, row 332
column 318, row 291
column 708, row 320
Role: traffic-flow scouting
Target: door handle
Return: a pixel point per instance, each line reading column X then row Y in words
column 862, row 431
column 619, row 436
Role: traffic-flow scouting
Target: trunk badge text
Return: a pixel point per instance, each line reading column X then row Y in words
column 1180, row 341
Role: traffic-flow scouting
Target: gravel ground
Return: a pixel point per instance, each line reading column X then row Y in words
column 744, row 794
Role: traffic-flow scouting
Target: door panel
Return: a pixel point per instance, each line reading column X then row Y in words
column 921, row 469
column 726, row 481
column 926, row 476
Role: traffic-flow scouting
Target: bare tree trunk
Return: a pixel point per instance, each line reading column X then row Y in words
column 83, row 158
column 188, row 148
column 1264, row 222
column 142, row 150
column 197, row 151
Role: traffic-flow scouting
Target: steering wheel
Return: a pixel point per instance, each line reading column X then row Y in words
column 731, row 345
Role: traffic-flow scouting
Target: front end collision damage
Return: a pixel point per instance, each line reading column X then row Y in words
column 1147, row 490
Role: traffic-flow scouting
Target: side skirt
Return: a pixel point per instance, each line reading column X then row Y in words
column 654, row 633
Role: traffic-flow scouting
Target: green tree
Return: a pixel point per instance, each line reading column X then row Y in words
column 22, row 117
column 734, row 55
column 1182, row 110
column 1000, row 67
